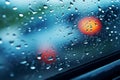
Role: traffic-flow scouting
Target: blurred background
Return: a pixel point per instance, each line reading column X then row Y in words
column 39, row 39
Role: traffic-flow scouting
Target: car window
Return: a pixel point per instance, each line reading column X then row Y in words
column 39, row 39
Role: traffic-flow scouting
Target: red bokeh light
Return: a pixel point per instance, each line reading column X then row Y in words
column 48, row 56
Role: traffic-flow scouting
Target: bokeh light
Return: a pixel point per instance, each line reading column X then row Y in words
column 90, row 25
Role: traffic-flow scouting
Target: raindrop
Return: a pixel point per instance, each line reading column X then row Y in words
column 11, row 42
column 40, row 17
column 115, row 15
column 107, row 28
column 18, row 47
column 32, row 10
column 48, row 67
column 4, row 16
column 39, row 29
column 70, row 33
column 114, row 26
column 99, row 8
column 51, row 10
column 115, row 32
column 111, row 31
column 101, row 52
column 23, row 62
column 111, row 40
column 69, row 8
column 73, row 0
column 32, row 67
column 14, row 34
column 113, row 5
column 103, row 11
column 61, row 1
column 32, row 18
column 14, row 8
column 21, row 15
column 1, row 41
column 38, row 57
column 116, row 38
column 11, row 75
column 76, row 9
column 7, row 2
column 66, row 58
column 71, row 4
column 50, row 58
column 39, row 76
column 29, row 5
column 23, row 53
column 83, row 0
column 87, row 53
column 68, row 65
column 26, row 45
column 82, row 56
column 43, row 12
column 110, row 34
column 60, row 69
column 85, row 42
column 110, row 7
column 101, row 19
column 47, row 1
column 45, row 6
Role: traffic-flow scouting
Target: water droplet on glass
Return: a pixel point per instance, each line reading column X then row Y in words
column 40, row 17
column 85, row 42
column 60, row 69
column 32, row 18
column 76, row 9
column 11, row 75
column 7, row 2
column 51, row 10
column 11, row 42
column 71, row 4
column 50, row 58
column 18, row 47
column 103, row 11
column 26, row 45
column 21, row 15
column 45, row 6
column 68, row 65
column 14, row 34
column 4, row 16
column 69, row 8
column 38, row 57
column 14, row 8
column 107, row 28
column 99, row 9
column 23, row 53
column 87, row 53
column 83, row 0
column 1, row 41
column 61, row 1
column 39, row 76
column 48, row 67
column 32, row 67
column 23, row 62
column 73, row 0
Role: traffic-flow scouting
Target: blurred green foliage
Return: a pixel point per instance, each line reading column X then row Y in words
column 9, row 17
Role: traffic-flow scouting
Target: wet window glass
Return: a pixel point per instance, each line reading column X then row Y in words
column 42, row 38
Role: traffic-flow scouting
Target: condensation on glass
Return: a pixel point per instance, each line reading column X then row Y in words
column 42, row 38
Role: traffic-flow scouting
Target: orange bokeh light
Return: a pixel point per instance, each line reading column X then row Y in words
column 90, row 25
